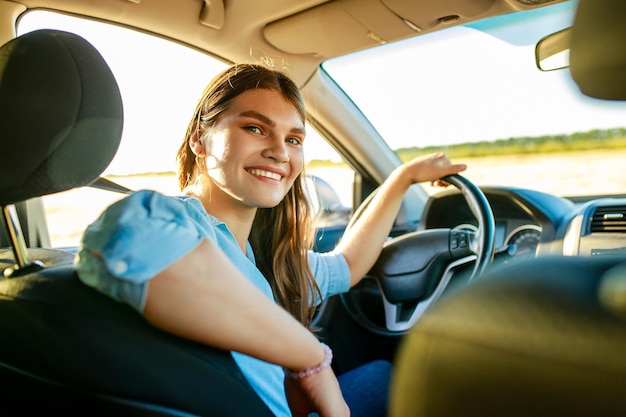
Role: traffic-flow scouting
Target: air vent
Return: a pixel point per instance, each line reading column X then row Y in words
column 610, row 219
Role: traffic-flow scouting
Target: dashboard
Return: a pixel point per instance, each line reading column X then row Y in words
column 531, row 223
column 522, row 241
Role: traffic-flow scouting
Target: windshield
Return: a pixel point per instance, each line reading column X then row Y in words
column 475, row 92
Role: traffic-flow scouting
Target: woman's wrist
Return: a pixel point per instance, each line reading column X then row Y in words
column 400, row 179
column 325, row 363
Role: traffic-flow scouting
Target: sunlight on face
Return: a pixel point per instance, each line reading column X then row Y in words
column 256, row 149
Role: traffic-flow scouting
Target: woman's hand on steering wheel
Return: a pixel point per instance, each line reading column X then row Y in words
column 413, row 270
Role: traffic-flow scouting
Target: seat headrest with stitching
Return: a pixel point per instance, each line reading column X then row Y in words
column 597, row 54
column 61, row 115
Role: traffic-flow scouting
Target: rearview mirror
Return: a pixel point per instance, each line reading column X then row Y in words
column 552, row 51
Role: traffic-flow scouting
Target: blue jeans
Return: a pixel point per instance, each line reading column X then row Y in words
column 366, row 389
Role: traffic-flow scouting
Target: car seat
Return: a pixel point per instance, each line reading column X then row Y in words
column 529, row 339
column 66, row 349
column 597, row 55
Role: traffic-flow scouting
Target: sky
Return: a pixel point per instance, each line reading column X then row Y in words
column 423, row 100
column 140, row 68
column 489, row 98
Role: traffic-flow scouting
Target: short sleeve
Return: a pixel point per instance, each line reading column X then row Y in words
column 135, row 239
column 331, row 272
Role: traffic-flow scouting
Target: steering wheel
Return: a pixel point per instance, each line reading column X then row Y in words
column 414, row 269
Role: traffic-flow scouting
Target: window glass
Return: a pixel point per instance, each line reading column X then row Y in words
column 160, row 82
column 475, row 92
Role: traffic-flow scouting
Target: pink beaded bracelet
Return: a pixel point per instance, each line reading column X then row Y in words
column 328, row 358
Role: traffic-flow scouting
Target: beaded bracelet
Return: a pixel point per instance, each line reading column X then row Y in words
column 328, row 358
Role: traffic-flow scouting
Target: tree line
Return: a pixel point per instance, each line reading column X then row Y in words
column 597, row 139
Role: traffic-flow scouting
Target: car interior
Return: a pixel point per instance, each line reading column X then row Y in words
column 543, row 335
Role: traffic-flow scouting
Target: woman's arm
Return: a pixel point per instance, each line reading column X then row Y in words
column 204, row 297
column 362, row 244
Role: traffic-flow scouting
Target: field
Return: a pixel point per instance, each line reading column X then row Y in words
column 570, row 174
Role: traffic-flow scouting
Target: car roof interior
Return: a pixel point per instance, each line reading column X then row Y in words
column 238, row 31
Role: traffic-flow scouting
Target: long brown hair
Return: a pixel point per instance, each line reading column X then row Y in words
column 282, row 235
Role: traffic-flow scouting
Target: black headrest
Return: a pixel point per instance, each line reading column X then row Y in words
column 597, row 54
column 60, row 115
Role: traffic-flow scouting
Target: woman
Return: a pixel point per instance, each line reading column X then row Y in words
column 235, row 246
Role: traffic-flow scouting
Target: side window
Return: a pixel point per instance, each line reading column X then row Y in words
column 160, row 82
column 330, row 184
column 325, row 163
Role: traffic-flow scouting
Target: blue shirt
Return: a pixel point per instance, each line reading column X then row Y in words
column 139, row 236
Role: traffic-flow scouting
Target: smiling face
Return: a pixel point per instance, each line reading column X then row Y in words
column 254, row 151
